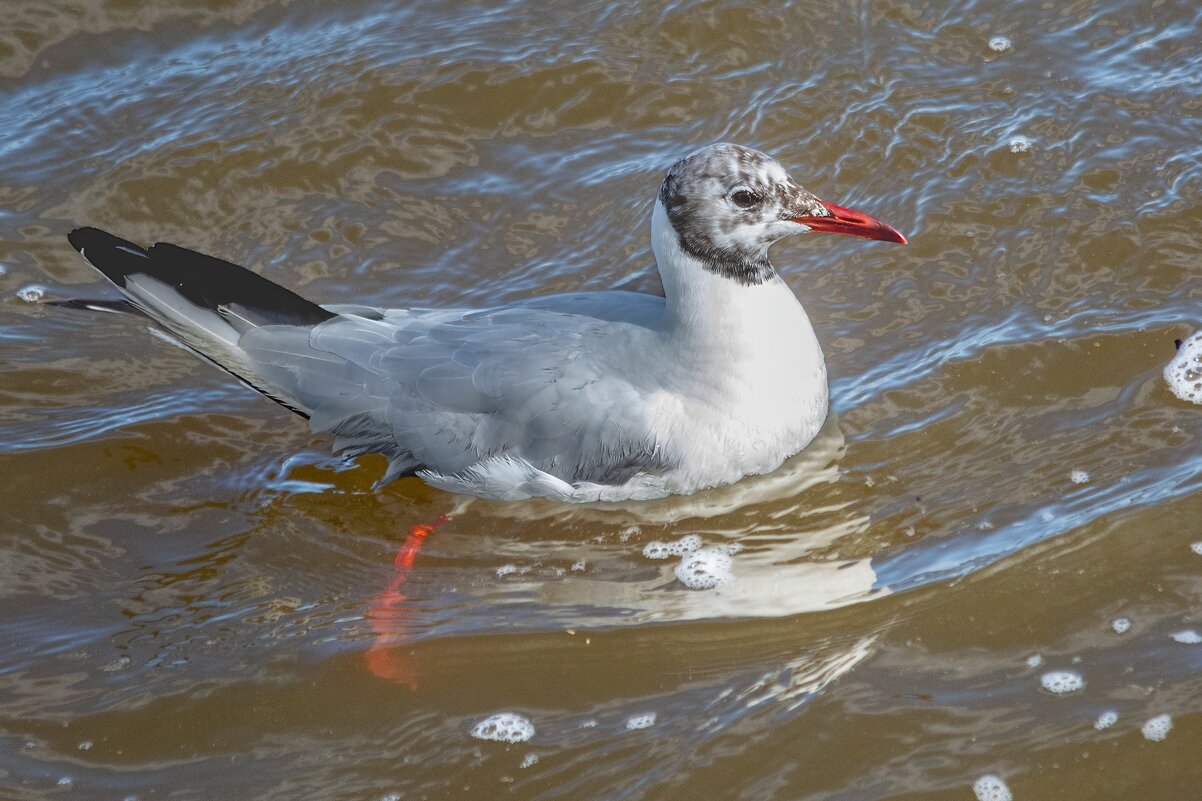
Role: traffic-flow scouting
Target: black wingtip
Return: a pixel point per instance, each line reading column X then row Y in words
column 206, row 281
column 107, row 253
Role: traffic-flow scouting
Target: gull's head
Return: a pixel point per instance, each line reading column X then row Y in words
column 727, row 204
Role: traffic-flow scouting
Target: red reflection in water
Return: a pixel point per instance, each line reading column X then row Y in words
column 391, row 619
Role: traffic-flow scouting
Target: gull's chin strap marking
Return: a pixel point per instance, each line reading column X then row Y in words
column 390, row 620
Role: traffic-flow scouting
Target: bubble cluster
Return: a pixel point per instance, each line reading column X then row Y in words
column 1020, row 144
column 705, row 569
column 1121, row 625
column 1106, row 720
column 662, row 550
column 1196, row 547
column 1186, row 637
column 1184, row 373
column 512, row 570
column 32, row 293
column 637, row 722
column 528, row 760
column 1079, row 476
column 1000, row 44
column 1157, row 728
column 1062, row 681
column 1034, row 660
column 504, row 727
column 990, row 787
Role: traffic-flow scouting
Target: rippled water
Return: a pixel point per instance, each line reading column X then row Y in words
column 197, row 601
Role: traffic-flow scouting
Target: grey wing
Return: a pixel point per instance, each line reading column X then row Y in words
column 446, row 389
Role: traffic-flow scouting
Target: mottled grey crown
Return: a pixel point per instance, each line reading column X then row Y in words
column 728, row 204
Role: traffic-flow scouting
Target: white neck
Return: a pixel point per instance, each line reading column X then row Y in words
column 748, row 350
column 705, row 306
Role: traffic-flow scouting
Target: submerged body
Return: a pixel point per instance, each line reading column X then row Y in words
column 576, row 397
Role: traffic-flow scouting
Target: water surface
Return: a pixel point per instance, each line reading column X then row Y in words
column 197, row 601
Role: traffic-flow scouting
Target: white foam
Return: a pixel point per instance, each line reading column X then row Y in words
column 588, row 724
column 637, row 722
column 662, row 550
column 705, row 569
column 1020, row 144
column 86, row 745
column 1034, row 660
column 579, row 566
column 1121, row 625
column 1000, row 44
column 1046, row 516
column 1184, row 373
column 65, row 781
column 1106, row 720
column 1196, row 547
column 1186, row 637
column 505, row 727
column 628, row 532
column 512, row 570
column 528, row 760
column 1157, row 728
column 1062, row 681
column 1079, row 476
column 990, row 787
column 32, row 293
column 391, row 797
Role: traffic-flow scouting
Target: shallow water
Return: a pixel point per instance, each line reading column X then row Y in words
column 197, row 601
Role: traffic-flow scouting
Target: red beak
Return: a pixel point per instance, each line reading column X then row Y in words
column 852, row 223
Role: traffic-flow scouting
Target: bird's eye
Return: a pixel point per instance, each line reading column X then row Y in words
column 744, row 198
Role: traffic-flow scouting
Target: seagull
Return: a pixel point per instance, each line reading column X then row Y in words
column 577, row 397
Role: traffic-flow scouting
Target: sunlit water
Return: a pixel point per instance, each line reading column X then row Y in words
column 197, row 601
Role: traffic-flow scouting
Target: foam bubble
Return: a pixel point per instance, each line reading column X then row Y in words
column 662, row 550
column 528, row 760
column 637, row 722
column 1121, row 625
column 705, row 569
column 990, row 787
column 1186, row 637
column 1106, row 720
column 67, row 781
column 1034, row 660
column 86, row 745
column 1184, row 373
column 505, row 727
column 512, row 570
column 1000, row 44
column 1020, row 144
column 1196, row 547
column 1157, row 728
column 628, row 532
column 588, row 724
column 1079, row 476
column 391, row 797
column 1046, row 516
column 32, row 293
column 1062, row 681
column 579, row 566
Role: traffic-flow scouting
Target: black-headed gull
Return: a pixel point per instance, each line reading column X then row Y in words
column 583, row 396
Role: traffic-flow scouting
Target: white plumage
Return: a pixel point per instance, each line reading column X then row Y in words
column 576, row 397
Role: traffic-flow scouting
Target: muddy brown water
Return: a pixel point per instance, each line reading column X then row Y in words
column 198, row 602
